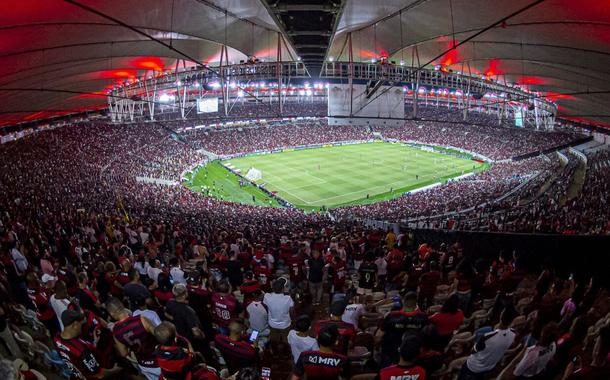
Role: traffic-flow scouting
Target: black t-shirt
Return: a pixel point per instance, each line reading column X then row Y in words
column 367, row 271
column 316, row 269
column 395, row 325
column 321, row 365
column 184, row 317
column 234, row 272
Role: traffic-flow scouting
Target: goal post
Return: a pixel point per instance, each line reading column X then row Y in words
column 254, row 174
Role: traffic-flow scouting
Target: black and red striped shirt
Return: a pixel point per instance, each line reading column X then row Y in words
column 347, row 332
column 321, row 365
column 80, row 356
column 131, row 332
column 236, row 351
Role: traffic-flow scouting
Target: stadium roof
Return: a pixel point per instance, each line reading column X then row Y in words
column 60, row 56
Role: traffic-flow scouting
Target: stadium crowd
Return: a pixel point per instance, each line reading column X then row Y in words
column 121, row 277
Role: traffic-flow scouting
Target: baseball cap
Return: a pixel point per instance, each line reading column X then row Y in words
column 70, row 316
column 47, row 277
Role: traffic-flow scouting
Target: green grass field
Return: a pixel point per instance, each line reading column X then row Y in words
column 216, row 181
column 338, row 175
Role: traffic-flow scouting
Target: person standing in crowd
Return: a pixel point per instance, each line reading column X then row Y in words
column 407, row 367
column 59, row 300
column 368, row 274
column 347, row 331
column 80, row 355
column 183, row 316
column 489, row 350
column 322, row 364
column 280, row 307
column 315, row 275
column 396, row 324
column 176, row 272
column 225, row 307
column 258, row 319
column 299, row 339
column 427, row 285
column 134, row 336
column 85, row 296
column 40, row 298
column 141, row 308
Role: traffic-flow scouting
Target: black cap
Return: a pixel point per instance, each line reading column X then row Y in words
column 70, row 316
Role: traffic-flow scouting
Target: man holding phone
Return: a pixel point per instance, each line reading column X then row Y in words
column 237, row 351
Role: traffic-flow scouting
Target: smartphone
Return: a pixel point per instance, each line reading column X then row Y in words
column 266, row 373
column 253, row 336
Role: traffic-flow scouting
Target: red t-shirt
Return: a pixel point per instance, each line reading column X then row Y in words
column 225, row 308
column 295, row 264
column 397, row 372
column 447, row 323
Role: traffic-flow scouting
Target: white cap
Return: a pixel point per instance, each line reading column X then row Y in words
column 47, row 277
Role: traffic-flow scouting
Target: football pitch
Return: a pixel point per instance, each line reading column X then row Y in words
column 334, row 176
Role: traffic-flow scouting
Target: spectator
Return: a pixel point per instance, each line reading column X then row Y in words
column 368, row 274
column 258, row 318
column 142, row 309
column 536, row 357
column 322, row 364
column 299, row 340
column 280, row 307
column 599, row 367
column 406, row 367
column 448, row 319
column 176, row 272
column 175, row 357
column 236, row 351
column 396, row 324
column 225, row 307
column 60, row 301
column 315, row 275
column 134, row 290
column 489, row 350
column 133, row 335
column 347, row 331
column 79, row 354
column 182, row 315
column 353, row 311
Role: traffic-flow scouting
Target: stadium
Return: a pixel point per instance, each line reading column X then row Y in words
column 304, row 189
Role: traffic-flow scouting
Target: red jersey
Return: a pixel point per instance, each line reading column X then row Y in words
column 79, row 356
column 40, row 298
column 176, row 364
column 263, row 275
column 347, row 332
column 295, row 264
column 225, row 308
column 398, row 372
column 123, row 278
column 131, row 332
column 69, row 279
column 248, row 288
column 339, row 274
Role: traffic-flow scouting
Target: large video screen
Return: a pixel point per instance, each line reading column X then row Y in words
column 207, row 105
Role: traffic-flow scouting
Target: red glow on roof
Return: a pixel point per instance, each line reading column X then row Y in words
column 557, row 95
column 451, row 57
column 493, row 68
column 148, row 63
column 531, row 80
column 119, row 74
column 367, row 54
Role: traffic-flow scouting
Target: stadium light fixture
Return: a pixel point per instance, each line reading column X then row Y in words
column 301, row 92
column 402, row 63
column 164, row 98
column 196, row 84
column 232, row 85
column 179, row 83
column 309, row 92
column 240, row 93
column 330, row 59
column 215, row 85
column 373, row 60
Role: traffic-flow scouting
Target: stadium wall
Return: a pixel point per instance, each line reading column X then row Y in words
column 579, row 254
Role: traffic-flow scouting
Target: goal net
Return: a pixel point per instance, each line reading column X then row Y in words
column 254, row 174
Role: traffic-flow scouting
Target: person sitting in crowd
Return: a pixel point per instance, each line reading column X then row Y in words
column 235, row 349
column 407, row 367
column 299, row 340
column 347, row 331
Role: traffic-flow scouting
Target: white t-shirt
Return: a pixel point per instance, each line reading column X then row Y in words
column 382, row 266
column 150, row 315
column 496, row 344
column 299, row 344
column 153, row 273
column 352, row 313
column 279, row 310
column 177, row 275
column 258, row 316
column 535, row 360
column 59, row 305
